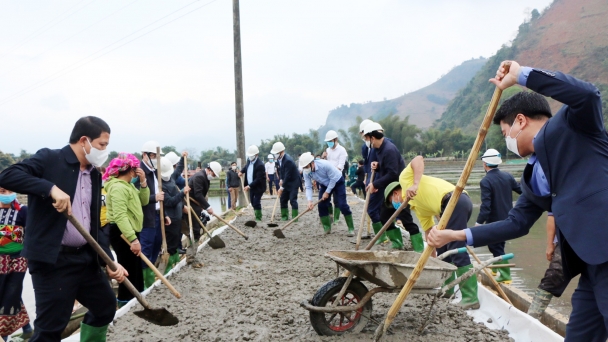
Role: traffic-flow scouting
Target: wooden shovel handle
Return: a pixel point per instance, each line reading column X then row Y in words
column 188, row 200
column 245, row 192
column 231, row 226
column 496, row 285
column 200, row 222
column 162, row 208
column 367, row 196
column 274, row 210
column 156, row 271
column 297, row 217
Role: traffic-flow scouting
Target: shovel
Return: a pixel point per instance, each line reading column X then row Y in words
column 368, row 195
column 156, row 271
column 251, row 224
column 231, row 226
column 214, row 241
column 191, row 251
column 271, row 224
column 279, row 232
column 164, row 256
column 160, row 316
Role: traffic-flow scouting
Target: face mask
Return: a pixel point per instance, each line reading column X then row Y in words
column 277, row 155
column 210, row 176
column 396, row 205
column 234, row 167
column 165, row 179
column 134, row 180
column 252, row 158
column 512, row 142
column 330, row 144
column 306, row 171
column 271, row 160
column 96, row 157
column 8, row 199
column 368, row 143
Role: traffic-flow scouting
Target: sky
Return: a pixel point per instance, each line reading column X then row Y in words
column 164, row 70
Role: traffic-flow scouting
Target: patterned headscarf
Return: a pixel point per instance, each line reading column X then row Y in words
column 123, row 162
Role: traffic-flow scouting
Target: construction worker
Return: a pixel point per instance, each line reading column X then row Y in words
column 497, row 189
column 428, row 198
column 331, row 181
column 255, row 180
column 365, row 150
column 336, row 155
column 271, row 178
column 388, row 166
column 392, row 201
column 199, row 185
column 290, row 181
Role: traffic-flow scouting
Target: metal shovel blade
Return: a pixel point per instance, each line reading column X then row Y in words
column 251, row 224
column 278, row 233
column 160, row 317
column 272, row 225
column 216, row 242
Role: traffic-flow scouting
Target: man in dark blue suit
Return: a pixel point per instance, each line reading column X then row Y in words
column 290, row 181
column 255, row 180
column 567, row 174
column 497, row 189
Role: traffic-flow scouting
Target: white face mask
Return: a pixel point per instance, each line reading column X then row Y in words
column 512, row 142
column 166, row 179
column 96, row 157
column 306, row 171
column 234, row 167
column 252, row 158
column 210, row 176
column 368, row 143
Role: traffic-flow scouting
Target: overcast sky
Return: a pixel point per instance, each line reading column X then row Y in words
column 175, row 84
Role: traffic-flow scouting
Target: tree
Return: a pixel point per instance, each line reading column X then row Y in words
column 168, row 149
column 6, row 160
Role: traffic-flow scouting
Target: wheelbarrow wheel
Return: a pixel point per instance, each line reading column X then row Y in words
column 330, row 324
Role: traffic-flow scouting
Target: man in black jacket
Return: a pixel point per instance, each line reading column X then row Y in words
column 199, row 184
column 63, row 266
column 234, row 184
column 255, row 180
column 497, row 189
column 359, row 183
column 290, row 181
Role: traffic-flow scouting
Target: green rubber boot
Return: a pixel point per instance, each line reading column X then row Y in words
column 336, row 215
column 377, row 227
column 326, row 222
column 173, row 260
column 258, row 215
column 396, row 238
column 149, row 277
column 468, row 289
column 449, row 293
column 539, row 303
column 350, row 225
column 504, row 273
column 330, row 210
column 90, row 333
column 284, row 214
column 294, row 214
column 417, row 243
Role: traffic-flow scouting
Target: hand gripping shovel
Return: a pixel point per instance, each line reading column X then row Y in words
column 164, row 254
column 251, row 224
column 160, row 316
column 271, row 224
column 156, row 271
column 191, row 251
column 447, row 213
column 214, row 241
column 279, row 232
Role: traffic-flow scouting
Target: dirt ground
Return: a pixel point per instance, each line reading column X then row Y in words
column 251, row 290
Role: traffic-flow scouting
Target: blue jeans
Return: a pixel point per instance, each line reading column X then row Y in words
column 339, row 194
column 150, row 239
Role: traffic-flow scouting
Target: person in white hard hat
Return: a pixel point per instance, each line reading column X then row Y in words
column 365, row 150
column 336, row 155
column 497, row 189
column 270, row 167
column 150, row 236
column 331, row 182
column 255, row 180
column 173, row 207
column 199, row 187
column 290, row 181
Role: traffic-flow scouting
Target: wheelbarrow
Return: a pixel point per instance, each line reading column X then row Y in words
column 389, row 270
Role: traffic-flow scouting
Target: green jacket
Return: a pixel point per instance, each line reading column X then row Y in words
column 123, row 204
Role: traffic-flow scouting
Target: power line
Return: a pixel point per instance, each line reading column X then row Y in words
column 74, row 66
column 44, row 28
column 70, row 37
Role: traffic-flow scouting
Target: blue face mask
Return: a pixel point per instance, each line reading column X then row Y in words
column 134, row 180
column 396, row 205
column 7, row 199
column 330, row 144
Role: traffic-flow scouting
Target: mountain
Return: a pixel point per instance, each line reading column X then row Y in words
column 423, row 106
column 571, row 36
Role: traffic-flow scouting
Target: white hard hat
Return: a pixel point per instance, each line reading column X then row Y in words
column 363, row 124
column 372, row 126
column 252, row 151
column 173, row 158
column 166, row 167
column 216, row 168
column 306, row 158
column 270, row 156
column 150, row 147
column 331, row 135
column 277, row 147
column 491, row 157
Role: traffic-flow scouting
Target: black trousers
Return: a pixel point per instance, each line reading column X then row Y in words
column 458, row 221
column 358, row 185
column 128, row 260
column 255, row 197
column 75, row 276
column 290, row 196
column 173, row 233
column 405, row 216
column 497, row 249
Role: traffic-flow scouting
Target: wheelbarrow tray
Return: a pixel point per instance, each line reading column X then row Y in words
column 391, row 269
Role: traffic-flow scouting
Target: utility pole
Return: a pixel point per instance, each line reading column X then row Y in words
column 238, row 93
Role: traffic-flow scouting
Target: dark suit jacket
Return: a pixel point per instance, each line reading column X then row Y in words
column 259, row 176
column 290, row 174
column 572, row 149
column 496, row 196
column 45, row 226
column 150, row 208
column 199, row 187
